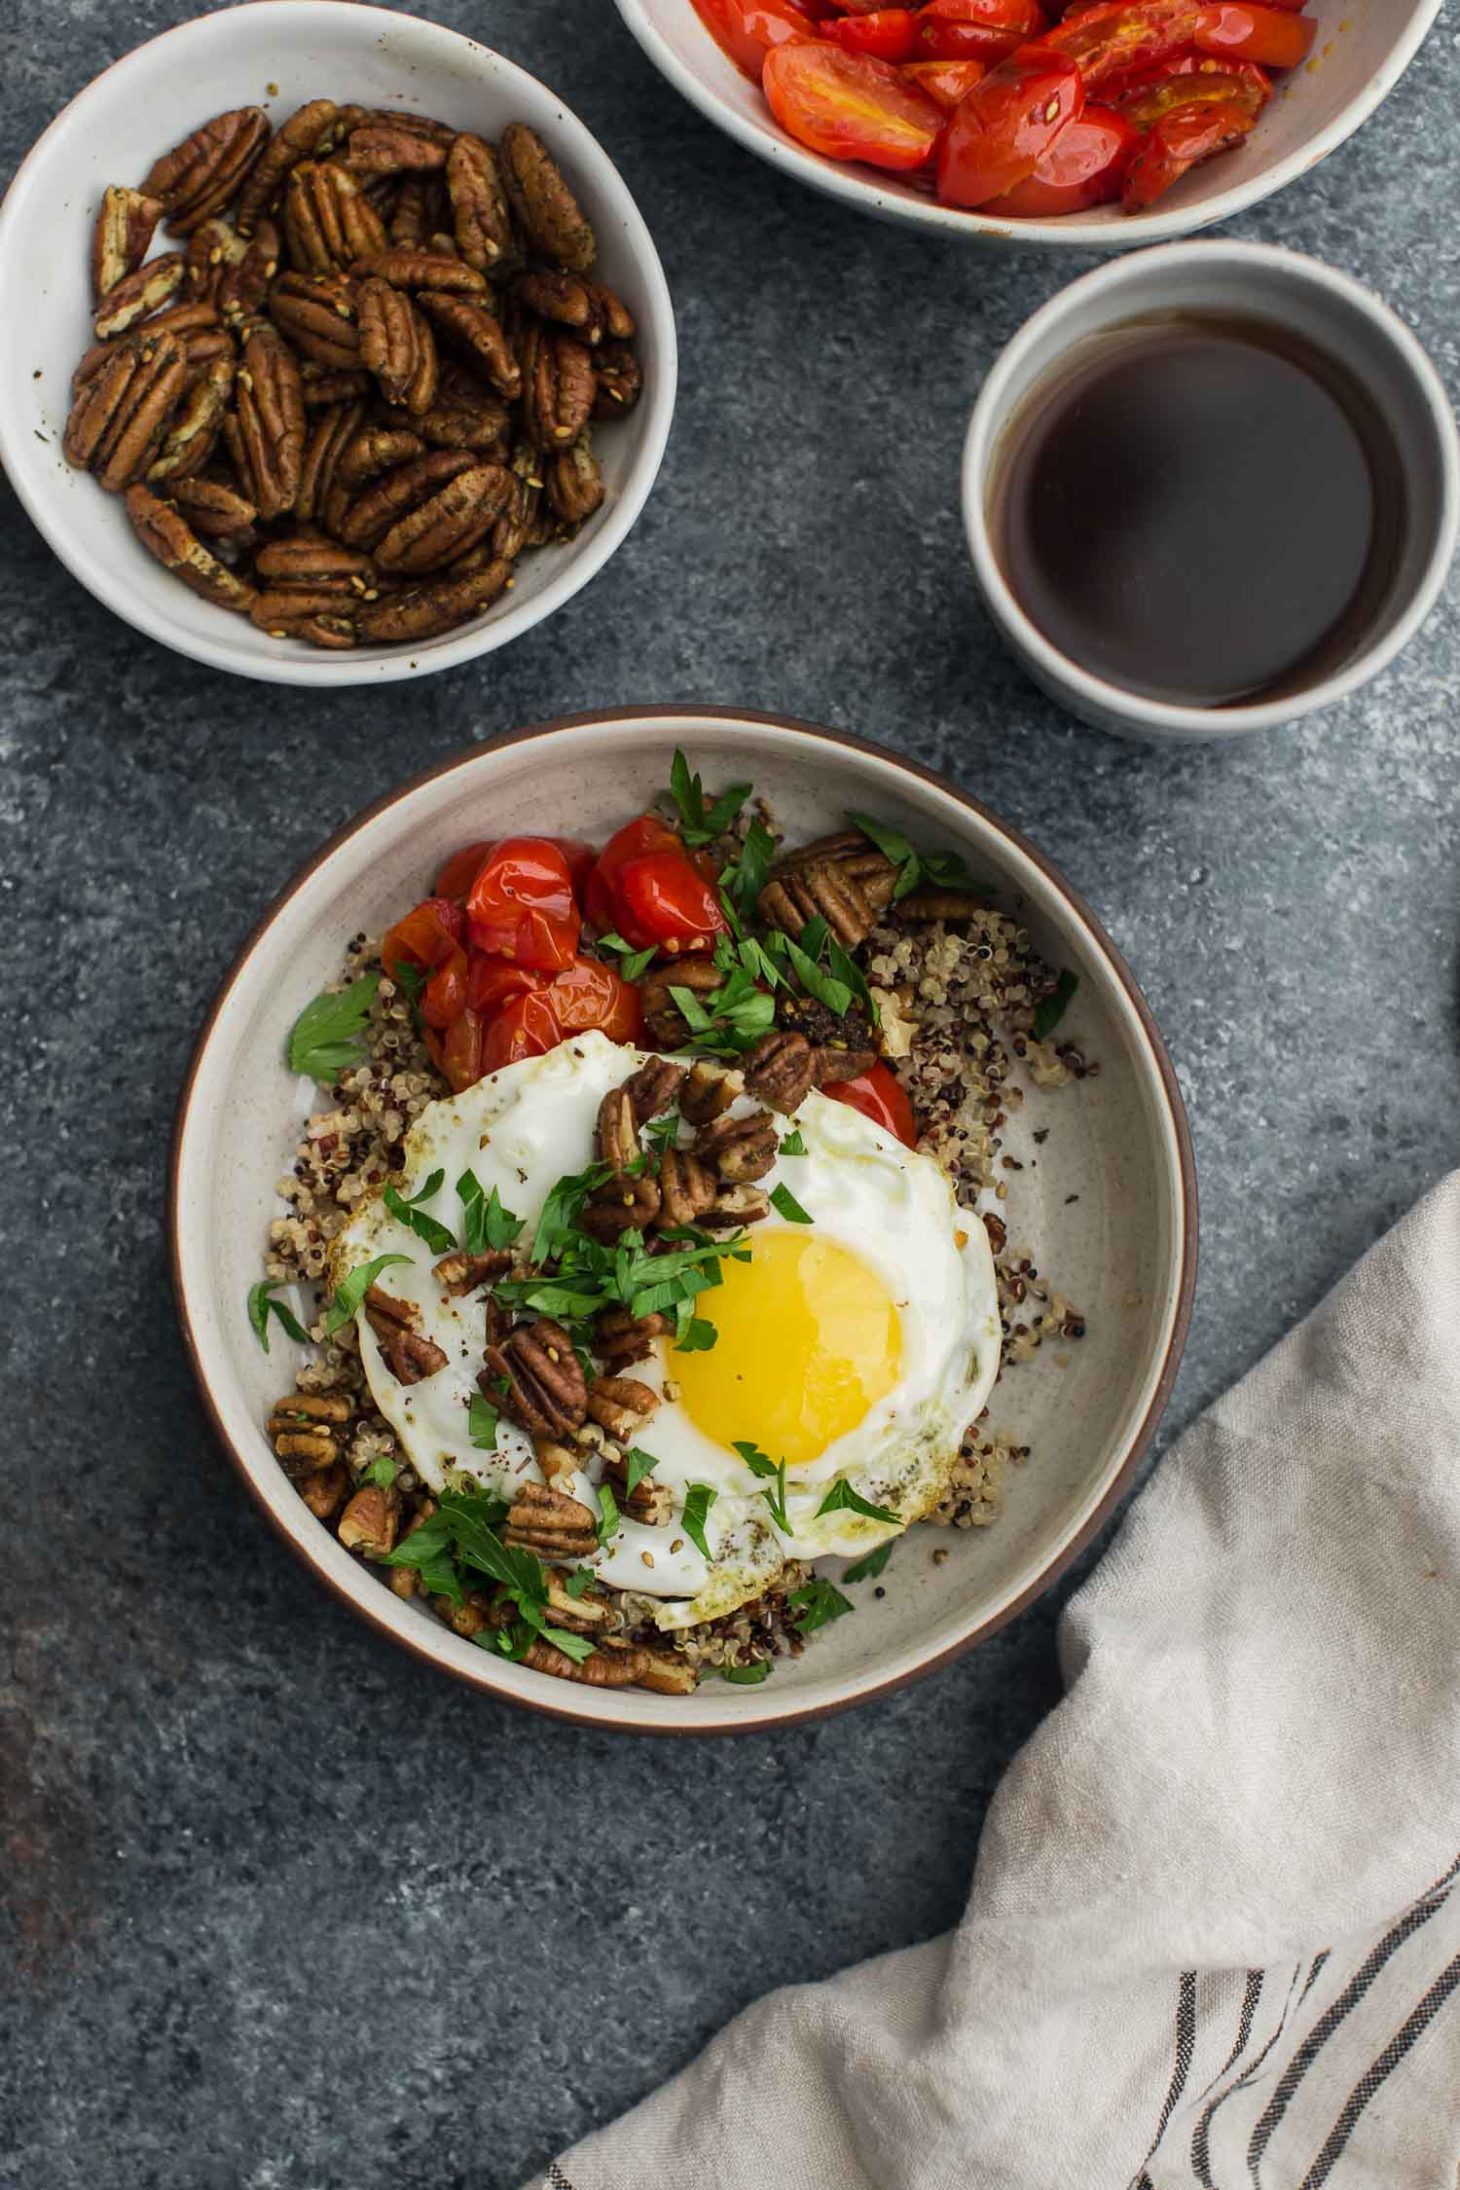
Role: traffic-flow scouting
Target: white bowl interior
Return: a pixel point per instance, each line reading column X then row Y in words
column 1358, row 56
column 1100, row 1201
column 276, row 57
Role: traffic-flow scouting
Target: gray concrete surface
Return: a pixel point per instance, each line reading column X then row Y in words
column 290, row 1913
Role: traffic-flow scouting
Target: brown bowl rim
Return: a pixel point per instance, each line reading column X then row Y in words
column 550, row 1707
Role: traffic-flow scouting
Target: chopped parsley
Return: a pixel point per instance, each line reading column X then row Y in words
column 761, row 1465
column 817, row 1602
column 486, row 1223
column 382, row 1472
column 946, row 869
column 329, row 1034
column 609, row 1518
column 867, row 1570
column 262, row 1305
column 793, row 1144
column 785, row 1201
column 662, row 1133
column 698, row 1499
column 697, row 1337
column 747, row 1676
column 1050, row 1009
column 351, row 1291
column 841, row 1498
column 579, row 1582
column 700, row 824
column 633, row 962
column 732, row 1018
column 744, row 877
column 482, row 1419
column 410, row 1213
column 637, row 1464
column 826, row 988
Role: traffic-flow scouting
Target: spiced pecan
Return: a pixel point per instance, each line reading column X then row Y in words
column 215, row 510
column 200, row 175
column 826, row 888
column 193, row 432
column 467, row 1618
column 414, row 216
column 587, row 1613
column 608, row 1667
column 734, row 1207
column 587, row 308
column 324, row 388
column 620, row 1405
column 422, row 269
column 686, row 1187
column 618, row 1129
column 710, row 1088
column 244, row 284
column 575, row 486
column 403, row 488
column 370, row 1521
column 618, row 379
column 311, row 562
column 166, row 534
column 475, row 334
column 557, row 386
column 780, row 1070
column 393, row 147
column 559, row 1463
column 328, row 221
column 212, row 249
column 304, row 1430
column 394, row 117
column 841, row 1061
column 480, row 215
column 375, row 450
column 125, row 225
column 331, row 432
column 668, row 1673
column 294, row 140
column 461, row 1273
column 662, row 1016
column 621, row 1205
column 547, row 1393
column 551, row 1524
column 929, row 903
column 121, row 408
column 270, row 414
column 740, row 1149
column 319, row 314
column 653, row 1088
column 465, row 416
column 397, row 345
column 620, row 1338
column 409, row 1355
column 428, row 611
column 446, row 526
column 540, row 197
column 136, row 295
column 516, row 528
column 322, row 615
column 850, row 850
column 324, row 1493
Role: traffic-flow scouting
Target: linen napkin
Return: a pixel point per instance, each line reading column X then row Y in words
column 1214, row 1931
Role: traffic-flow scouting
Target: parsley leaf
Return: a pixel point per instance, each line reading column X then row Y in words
column 841, row 1498
column 329, row 1034
column 485, row 1220
column 262, row 1305
column 698, row 1499
column 579, row 1582
column 816, row 1603
column 1050, row 1009
column 410, row 1213
column 867, row 1570
column 482, row 1420
column 747, row 1676
column 785, row 1201
column 576, row 1647
column 662, row 1133
column 351, row 1291
column 609, row 1518
column 944, row 868
column 637, row 1464
column 793, row 1144
column 761, row 1464
column 382, row 1471
column 701, row 824
column 729, row 1019
column 697, row 1337
column 634, row 962
column 744, row 877
column 824, row 987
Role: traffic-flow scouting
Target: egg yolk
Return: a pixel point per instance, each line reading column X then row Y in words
column 809, row 1339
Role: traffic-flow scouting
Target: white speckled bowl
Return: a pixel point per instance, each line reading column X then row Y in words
column 277, row 56
column 1360, row 54
column 1107, row 1202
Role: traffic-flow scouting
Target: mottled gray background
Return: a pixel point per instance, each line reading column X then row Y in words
column 294, row 1914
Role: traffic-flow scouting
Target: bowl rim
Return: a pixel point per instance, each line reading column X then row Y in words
column 1185, row 1211
column 108, row 582
column 1095, row 696
column 854, row 186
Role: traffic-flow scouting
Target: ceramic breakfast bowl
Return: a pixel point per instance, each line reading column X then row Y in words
column 1358, row 56
column 277, row 56
column 1105, row 1201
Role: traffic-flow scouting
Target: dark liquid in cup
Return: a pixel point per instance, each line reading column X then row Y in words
column 1203, row 511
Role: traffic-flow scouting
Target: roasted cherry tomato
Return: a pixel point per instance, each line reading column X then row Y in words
column 460, row 871
column 633, row 841
column 490, row 982
column 525, row 1027
column 945, row 81
column 1188, row 79
column 444, row 996
column 663, row 899
column 522, row 904
column 851, row 107
column 889, row 33
column 1085, row 166
column 880, row 1096
column 591, row 994
column 1007, row 123
column 748, row 29
column 1269, row 36
column 461, row 1052
column 1178, row 141
column 1119, row 35
column 429, row 933
column 978, row 30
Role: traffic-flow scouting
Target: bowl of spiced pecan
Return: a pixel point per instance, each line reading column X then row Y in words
column 355, row 366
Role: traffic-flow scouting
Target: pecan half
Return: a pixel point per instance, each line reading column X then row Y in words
column 304, row 1430
column 324, row 617
column 540, row 197
column 414, row 216
column 331, row 433
column 397, row 345
column 410, row 1356
column 398, row 491
column 439, row 530
column 734, row 1207
column 609, row 1667
column 464, row 416
column 575, row 486
column 547, row 1393
column 215, row 510
column 668, row 1673
column 740, row 1149
column 930, row 903
column 621, row 1205
column 212, row 249
column 192, row 436
column 200, row 175
column 835, row 1061
column 475, row 334
column 460, row 1273
column 686, row 1187
column 421, row 269
column 378, row 449
column 243, row 288
column 855, row 854
column 517, row 526
column 662, row 1016
column 617, row 1130
column 620, row 1339
column 480, row 215
column 323, row 388
column 828, row 888
column 270, row 414
column 653, row 1088
column 428, row 611
column 328, row 221
column 124, row 230
column 557, row 386
column 587, row 308
column 136, row 295
column 319, row 313
column 108, row 395
column 591, row 1613
column 315, row 564
column 780, row 1070
column 620, row 1404
column 324, row 1493
column 618, row 382
column 369, row 1522
column 550, row 1523
column 294, row 140
column 710, row 1088
column 393, row 148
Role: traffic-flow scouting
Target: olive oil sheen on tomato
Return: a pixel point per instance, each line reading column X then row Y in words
column 1200, row 511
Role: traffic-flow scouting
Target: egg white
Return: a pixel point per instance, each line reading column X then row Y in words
column 523, row 1128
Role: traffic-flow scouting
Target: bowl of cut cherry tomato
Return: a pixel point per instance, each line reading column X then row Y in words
column 1104, row 123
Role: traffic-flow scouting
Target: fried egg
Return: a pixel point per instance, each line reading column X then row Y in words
column 856, row 1337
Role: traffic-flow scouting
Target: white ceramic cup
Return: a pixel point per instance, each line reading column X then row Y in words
column 1305, row 298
